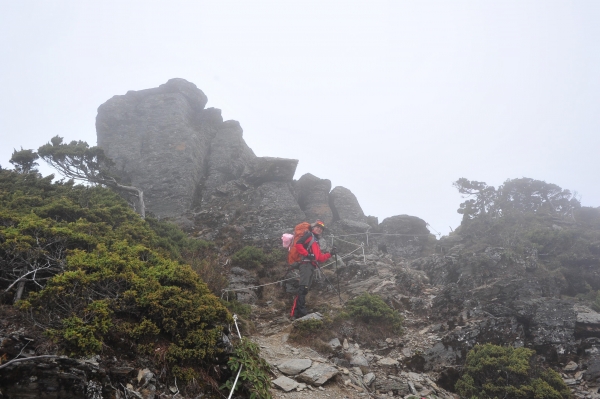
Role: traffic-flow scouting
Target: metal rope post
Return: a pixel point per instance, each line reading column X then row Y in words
column 236, row 326
column 338, row 275
column 362, row 245
column 241, row 365
column 235, row 382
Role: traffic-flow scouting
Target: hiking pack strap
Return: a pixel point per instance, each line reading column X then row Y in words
column 311, row 242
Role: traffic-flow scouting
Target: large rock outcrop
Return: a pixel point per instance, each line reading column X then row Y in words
column 160, row 140
column 197, row 170
column 194, row 167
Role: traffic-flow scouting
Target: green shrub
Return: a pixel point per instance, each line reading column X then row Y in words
column 275, row 257
column 493, row 371
column 306, row 331
column 254, row 378
column 372, row 309
column 236, row 307
column 249, row 257
column 144, row 295
column 308, row 326
column 105, row 278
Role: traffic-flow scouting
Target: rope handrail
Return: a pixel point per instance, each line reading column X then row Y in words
column 360, row 246
column 287, row 279
column 380, row 234
column 347, row 242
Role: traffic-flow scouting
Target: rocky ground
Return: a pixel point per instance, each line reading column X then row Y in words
column 420, row 362
column 441, row 322
column 350, row 369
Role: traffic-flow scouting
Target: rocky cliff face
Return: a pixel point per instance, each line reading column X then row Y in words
column 197, row 170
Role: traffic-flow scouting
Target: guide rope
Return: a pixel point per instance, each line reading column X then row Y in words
column 360, row 246
column 287, row 279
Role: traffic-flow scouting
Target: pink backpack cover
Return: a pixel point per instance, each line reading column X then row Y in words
column 287, row 240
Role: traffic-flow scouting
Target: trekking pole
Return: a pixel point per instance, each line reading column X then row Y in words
column 323, row 274
column 338, row 278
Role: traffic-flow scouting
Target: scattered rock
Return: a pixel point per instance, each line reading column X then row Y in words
column 397, row 387
column 310, row 316
column 144, row 376
column 571, row 366
column 335, row 344
column 386, row 361
column 284, row 383
column 368, row 378
column 294, row 366
column 359, row 360
column 318, row 374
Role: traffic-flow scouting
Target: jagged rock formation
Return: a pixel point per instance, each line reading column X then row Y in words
column 313, row 197
column 197, row 170
column 346, row 205
column 160, row 139
column 186, row 157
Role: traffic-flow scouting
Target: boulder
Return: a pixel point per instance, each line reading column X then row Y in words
column 368, row 379
column 587, row 323
column 405, row 236
column 284, row 383
column 144, row 376
column 294, row 366
column 397, row 387
column 344, row 205
column 571, row 366
column 359, row 360
column 310, row 316
column 386, row 361
column 335, row 344
column 318, row 374
column 313, row 198
column 272, row 169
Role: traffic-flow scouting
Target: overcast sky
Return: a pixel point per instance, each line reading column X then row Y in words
column 394, row 100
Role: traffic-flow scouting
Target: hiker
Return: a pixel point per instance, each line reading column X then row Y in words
column 308, row 246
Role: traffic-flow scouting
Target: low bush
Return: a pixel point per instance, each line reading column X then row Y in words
column 236, row 307
column 254, row 378
column 249, row 257
column 493, row 371
column 98, row 278
column 372, row 309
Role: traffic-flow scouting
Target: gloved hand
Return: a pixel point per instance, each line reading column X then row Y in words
column 333, row 251
column 311, row 257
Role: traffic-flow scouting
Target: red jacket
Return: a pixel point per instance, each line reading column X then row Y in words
column 303, row 242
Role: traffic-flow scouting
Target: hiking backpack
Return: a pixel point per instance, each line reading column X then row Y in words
column 299, row 230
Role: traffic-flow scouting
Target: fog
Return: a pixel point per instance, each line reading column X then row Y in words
column 394, row 100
